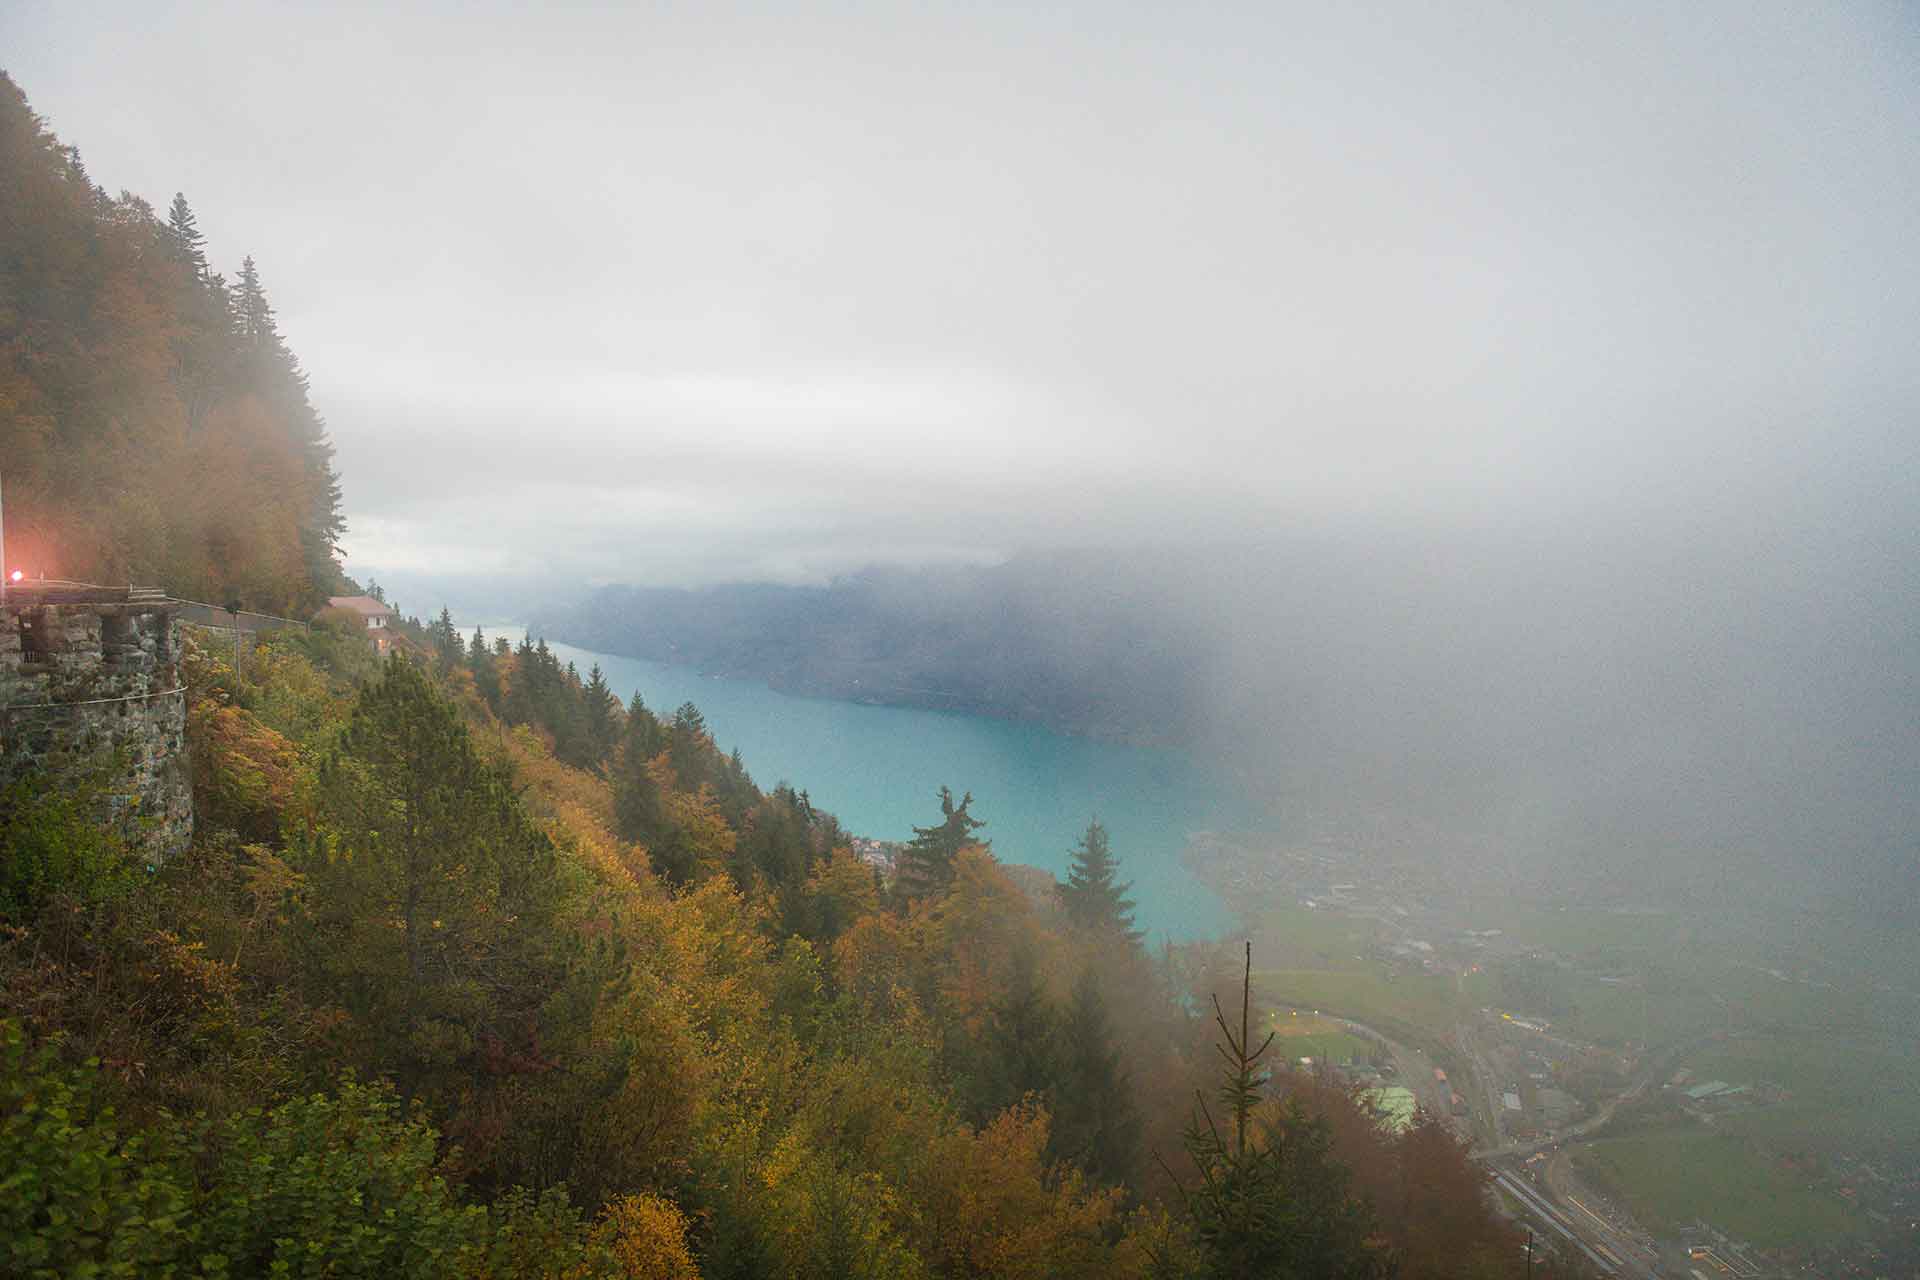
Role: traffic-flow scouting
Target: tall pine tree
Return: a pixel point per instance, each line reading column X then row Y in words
column 486, row 676
column 431, row 886
column 1092, row 896
column 598, row 707
column 188, row 244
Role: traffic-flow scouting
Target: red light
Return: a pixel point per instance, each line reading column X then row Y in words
column 16, row 575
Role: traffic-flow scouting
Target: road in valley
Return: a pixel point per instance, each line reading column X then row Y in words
column 1554, row 1204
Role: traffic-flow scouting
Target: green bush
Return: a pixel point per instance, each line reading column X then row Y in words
column 53, row 842
column 81, row 1195
column 334, row 1186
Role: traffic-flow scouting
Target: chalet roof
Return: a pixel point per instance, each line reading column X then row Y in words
column 365, row 606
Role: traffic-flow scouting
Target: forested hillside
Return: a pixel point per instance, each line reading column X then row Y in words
column 426, row 995
column 475, row 969
column 157, row 428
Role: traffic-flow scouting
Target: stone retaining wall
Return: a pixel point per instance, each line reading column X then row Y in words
column 98, row 685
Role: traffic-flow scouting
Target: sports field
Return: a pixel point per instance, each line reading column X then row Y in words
column 1299, row 1034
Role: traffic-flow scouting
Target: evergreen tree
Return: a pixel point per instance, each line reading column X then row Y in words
column 688, row 747
column 1019, row 1052
column 183, row 230
column 433, row 890
column 1271, row 1200
column 274, row 373
column 519, row 704
column 775, row 844
column 486, row 676
column 734, row 788
column 253, row 318
column 1095, row 1123
column 598, row 704
column 446, row 640
column 926, row 864
column 643, row 725
column 1094, row 901
column 640, row 811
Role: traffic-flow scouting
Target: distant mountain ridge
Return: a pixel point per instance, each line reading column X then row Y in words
column 1038, row 639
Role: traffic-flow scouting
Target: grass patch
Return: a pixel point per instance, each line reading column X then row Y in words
column 1584, row 933
column 1424, row 1003
column 1671, row 1180
column 1295, row 937
column 1847, row 1092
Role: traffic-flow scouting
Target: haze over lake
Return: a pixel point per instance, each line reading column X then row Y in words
column 879, row 769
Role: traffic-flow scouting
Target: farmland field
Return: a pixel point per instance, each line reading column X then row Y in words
column 1425, row 1003
column 1670, row 1180
column 1844, row 1091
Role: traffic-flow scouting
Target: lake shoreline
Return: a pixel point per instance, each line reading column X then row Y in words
column 878, row 768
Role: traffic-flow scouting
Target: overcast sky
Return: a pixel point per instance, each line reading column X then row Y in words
column 691, row 292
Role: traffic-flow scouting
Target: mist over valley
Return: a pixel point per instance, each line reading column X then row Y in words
column 919, row 643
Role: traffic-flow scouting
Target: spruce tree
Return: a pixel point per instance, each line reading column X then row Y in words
column 640, row 811
column 253, row 318
column 1019, row 1052
column 431, row 882
column 519, row 704
column 926, row 864
column 735, row 790
column 486, row 676
column 687, row 747
column 1093, row 899
column 644, row 727
column 446, row 640
column 187, row 244
column 1095, row 1123
column 1271, row 1199
column 598, row 703
column 775, row 844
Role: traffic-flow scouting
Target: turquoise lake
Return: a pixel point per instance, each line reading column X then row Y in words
column 879, row 770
